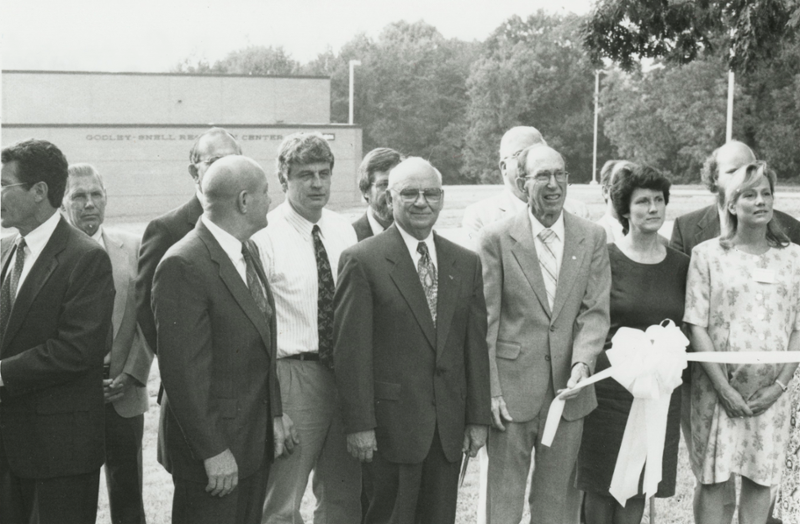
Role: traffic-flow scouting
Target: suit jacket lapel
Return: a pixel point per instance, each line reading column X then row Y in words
column 571, row 262
column 405, row 277
column 525, row 253
column 233, row 281
column 44, row 266
column 120, row 271
column 708, row 226
column 449, row 283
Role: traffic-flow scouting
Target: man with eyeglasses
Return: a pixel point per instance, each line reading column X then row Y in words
column 373, row 180
column 547, row 282
column 300, row 249
column 56, row 299
column 166, row 230
column 411, row 360
column 511, row 200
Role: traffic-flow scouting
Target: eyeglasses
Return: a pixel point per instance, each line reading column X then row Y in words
column 431, row 194
column 6, row 186
column 543, row 177
column 209, row 161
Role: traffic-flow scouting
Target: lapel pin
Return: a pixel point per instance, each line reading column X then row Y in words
column 451, row 277
column 573, row 257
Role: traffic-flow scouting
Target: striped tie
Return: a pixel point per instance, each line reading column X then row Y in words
column 547, row 259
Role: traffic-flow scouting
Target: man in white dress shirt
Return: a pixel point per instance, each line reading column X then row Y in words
column 126, row 365
column 300, row 249
column 511, row 200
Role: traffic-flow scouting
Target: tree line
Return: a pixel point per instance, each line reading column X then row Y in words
column 450, row 100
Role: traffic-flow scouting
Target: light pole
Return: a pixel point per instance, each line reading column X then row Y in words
column 596, row 103
column 353, row 64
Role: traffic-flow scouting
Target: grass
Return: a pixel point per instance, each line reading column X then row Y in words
column 676, row 510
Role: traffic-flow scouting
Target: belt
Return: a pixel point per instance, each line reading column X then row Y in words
column 304, row 356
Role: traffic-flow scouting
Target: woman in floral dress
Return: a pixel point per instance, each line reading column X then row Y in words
column 742, row 294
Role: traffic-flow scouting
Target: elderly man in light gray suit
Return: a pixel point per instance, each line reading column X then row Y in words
column 127, row 364
column 547, row 281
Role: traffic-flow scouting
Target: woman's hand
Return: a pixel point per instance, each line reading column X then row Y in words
column 733, row 402
column 765, row 397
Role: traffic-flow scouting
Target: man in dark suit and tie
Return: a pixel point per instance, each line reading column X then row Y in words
column 215, row 319
column 167, row 229
column 127, row 363
column 547, row 284
column 373, row 179
column 56, row 299
column 410, row 353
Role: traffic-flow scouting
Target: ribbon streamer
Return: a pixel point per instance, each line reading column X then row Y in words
column 649, row 365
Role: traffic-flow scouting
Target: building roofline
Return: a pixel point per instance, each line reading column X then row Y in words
column 175, row 126
column 131, row 73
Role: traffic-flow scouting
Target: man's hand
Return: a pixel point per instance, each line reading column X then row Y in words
column 223, row 474
column 362, row 445
column 285, row 435
column 500, row 413
column 474, row 438
column 113, row 390
column 765, row 397
column 580, row 372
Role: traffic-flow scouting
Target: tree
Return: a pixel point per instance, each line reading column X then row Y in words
column 252, row 60
column 680, row 31
column 532, row 72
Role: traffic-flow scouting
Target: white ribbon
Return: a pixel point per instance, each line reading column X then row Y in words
column 649, row 365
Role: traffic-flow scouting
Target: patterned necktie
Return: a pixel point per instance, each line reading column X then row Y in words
column 324, row 300
column 254, row 283
column 427, row 277
column 8, row 291
column 547, row 259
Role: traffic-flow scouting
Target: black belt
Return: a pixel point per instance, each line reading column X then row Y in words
column 304, row 356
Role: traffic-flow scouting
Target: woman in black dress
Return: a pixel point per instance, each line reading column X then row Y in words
column 648, row 286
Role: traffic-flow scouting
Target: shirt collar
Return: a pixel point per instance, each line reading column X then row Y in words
column 229, row 243
column 412, row 242
column 301, row 224
column 557, row 227
column 39, row 237
column 98, row 236
column 373, row 222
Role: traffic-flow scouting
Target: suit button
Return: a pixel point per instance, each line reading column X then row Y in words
column 552, row 328
column 547, row 358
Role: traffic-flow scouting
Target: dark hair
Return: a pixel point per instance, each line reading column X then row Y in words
column 194, row 156
column 380, row 160
column 302, row 148
column 631, row 177
column 39, row 161
column 745, row 178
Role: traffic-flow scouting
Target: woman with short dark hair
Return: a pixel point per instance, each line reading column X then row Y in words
column 648, row 284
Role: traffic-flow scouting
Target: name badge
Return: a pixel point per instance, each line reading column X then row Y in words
column 765, row 276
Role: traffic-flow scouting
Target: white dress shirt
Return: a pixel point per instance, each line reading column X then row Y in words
column 287, row 252
column 231, row 245
column 612, row 226
column 98, row 237
column 35, row 241
column 373, row 222
column 557, row 244
column 412, row 243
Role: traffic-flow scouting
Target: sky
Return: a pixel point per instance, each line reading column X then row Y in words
column 154, row 36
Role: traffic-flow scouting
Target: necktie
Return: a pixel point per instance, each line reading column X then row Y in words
column 427, row 277
column 547, row 259
column 325, row 290
column 8, row 291
column 254, row 283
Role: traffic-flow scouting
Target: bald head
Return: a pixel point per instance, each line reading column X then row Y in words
column 515, row 140
column 415, row 213
column 723, row 162
column 236, row 195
